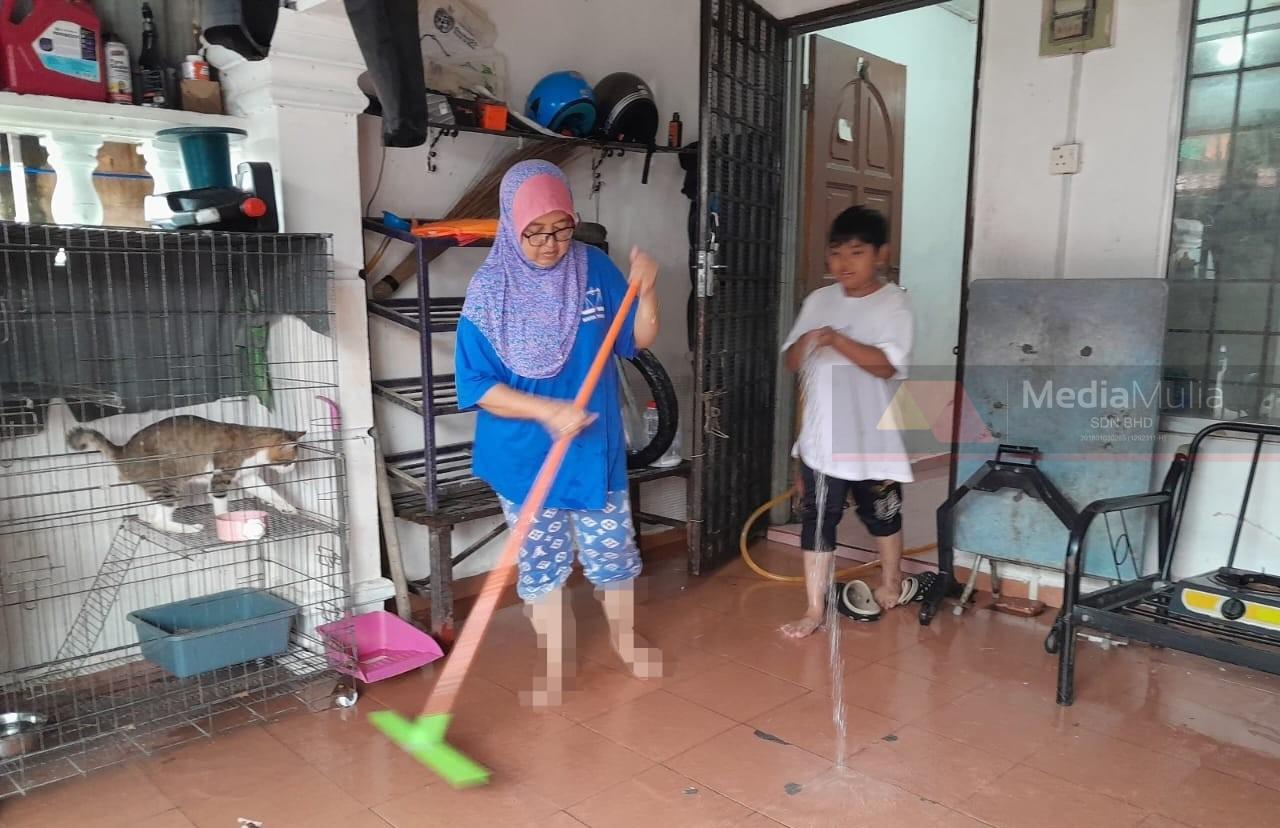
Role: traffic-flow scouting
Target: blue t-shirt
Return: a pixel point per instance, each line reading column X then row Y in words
column 509, row 453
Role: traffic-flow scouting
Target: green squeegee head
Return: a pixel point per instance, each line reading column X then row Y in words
column 423, row 739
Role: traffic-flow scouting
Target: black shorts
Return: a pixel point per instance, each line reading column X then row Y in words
column 879, row 506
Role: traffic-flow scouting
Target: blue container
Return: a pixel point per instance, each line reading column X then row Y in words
column 203, row 634
column 206, row 153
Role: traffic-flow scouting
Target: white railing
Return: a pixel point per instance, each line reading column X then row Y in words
column 73, row 131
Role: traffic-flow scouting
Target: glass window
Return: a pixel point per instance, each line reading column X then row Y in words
column 1224, row 266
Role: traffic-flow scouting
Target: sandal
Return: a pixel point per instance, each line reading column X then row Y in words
column 856, row 601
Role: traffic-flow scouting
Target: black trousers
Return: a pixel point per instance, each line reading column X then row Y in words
column 879, row 507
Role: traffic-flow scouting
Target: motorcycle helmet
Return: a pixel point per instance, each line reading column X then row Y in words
column 563, row 102
column 627, row 109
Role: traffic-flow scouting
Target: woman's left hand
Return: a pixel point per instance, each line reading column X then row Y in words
column 644, row 269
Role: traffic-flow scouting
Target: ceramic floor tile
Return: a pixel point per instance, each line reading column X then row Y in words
column 747, row 769
column 1256, row 759
column 575, row 765
column 894, row 632
column 895, row 694
column 169, row 819
column 121, row 796
column 680, row 660
column 807, row 722
column 599, row 689
column 843, row 797
column 659, row 725
column 991, row 724
column 239, row 762
column 955, row 819
column 360, row 819
column 1179, row 727
column 503, row 802
column 1027, row 797
column 759, row 821
column 806, row 662
column 1209, row 799
column 1157, row 821
column 1108, row 766
column 659, row 796
column 299, row 798
column 937, row 664
column 929, row 765
column 560, row 820
column 737, row 691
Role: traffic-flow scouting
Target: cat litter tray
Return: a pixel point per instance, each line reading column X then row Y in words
column 202, row 634
column 384, row 646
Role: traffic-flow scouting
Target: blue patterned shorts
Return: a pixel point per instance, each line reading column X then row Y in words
column 605, row 539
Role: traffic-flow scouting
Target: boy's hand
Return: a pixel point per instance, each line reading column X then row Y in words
column 823, row 337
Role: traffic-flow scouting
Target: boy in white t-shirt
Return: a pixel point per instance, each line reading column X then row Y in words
column 851, row 344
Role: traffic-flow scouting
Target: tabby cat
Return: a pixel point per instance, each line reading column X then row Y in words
column 163, row 457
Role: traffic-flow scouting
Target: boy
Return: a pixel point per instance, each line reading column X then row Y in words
column 851, row 343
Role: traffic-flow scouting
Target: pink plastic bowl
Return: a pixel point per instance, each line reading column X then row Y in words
column 234, row 527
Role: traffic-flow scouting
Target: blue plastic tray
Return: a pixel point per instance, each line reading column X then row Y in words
column 202, row 634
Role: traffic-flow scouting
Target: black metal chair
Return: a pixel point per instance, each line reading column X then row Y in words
column 1139, row 609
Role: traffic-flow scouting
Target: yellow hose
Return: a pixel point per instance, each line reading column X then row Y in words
column 842, row 575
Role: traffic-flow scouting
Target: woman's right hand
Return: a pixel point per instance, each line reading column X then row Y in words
column 562, row 419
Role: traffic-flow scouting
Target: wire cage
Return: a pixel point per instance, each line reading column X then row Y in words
column 172, row 490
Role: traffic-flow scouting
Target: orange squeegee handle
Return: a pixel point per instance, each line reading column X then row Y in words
column 446, row 689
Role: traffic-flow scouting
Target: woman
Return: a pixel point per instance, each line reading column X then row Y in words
column 535, row 315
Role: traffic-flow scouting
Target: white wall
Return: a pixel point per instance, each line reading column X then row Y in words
column 1121, row 104
column 657, row 40
column 938, row 49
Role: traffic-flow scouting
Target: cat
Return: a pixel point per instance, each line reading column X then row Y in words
column 165, row 455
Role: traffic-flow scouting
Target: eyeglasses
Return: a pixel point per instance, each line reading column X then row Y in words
column 543, row 239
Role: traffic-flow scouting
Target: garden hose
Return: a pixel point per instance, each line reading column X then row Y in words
column 842, row 575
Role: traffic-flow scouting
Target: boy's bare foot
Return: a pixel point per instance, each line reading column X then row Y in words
column 887, row 594
column 803, row 628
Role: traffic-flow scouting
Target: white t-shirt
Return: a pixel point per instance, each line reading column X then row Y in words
column 850, row 427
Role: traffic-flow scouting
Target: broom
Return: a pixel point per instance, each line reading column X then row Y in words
column 479, row 201
column 424, row 738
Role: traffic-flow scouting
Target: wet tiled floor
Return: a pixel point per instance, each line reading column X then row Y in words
column 950, row 725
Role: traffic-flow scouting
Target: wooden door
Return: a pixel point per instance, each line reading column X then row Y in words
column 856, row 104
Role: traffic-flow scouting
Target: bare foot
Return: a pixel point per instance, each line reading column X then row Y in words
column 544, row 694
column 887, row 595
column 803, row 628
column 645, row 662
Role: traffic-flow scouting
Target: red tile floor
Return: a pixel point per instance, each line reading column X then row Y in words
column 951, row 725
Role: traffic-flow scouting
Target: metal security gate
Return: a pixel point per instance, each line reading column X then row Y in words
column 744, row 63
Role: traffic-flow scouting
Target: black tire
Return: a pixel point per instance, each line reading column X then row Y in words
column 1051, row 641
column 664, row 394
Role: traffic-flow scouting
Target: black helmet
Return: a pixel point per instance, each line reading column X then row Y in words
column 627, row 110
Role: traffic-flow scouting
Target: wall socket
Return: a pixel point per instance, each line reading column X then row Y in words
column 1064, row 159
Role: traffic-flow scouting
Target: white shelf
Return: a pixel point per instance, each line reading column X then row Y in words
column 40, row 114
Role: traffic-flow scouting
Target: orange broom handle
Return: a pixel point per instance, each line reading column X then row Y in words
column 445, row 692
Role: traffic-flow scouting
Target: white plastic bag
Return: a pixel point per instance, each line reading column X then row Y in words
column 462, row 77
column 453, row 29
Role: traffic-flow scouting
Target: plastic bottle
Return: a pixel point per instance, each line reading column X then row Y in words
column 194, row 67
column 675, row 131
column 651, row 421
column 119, row 71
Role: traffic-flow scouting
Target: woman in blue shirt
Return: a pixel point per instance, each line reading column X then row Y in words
column 535, row 315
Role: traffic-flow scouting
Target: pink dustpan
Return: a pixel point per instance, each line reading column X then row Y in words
column 377, row 645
